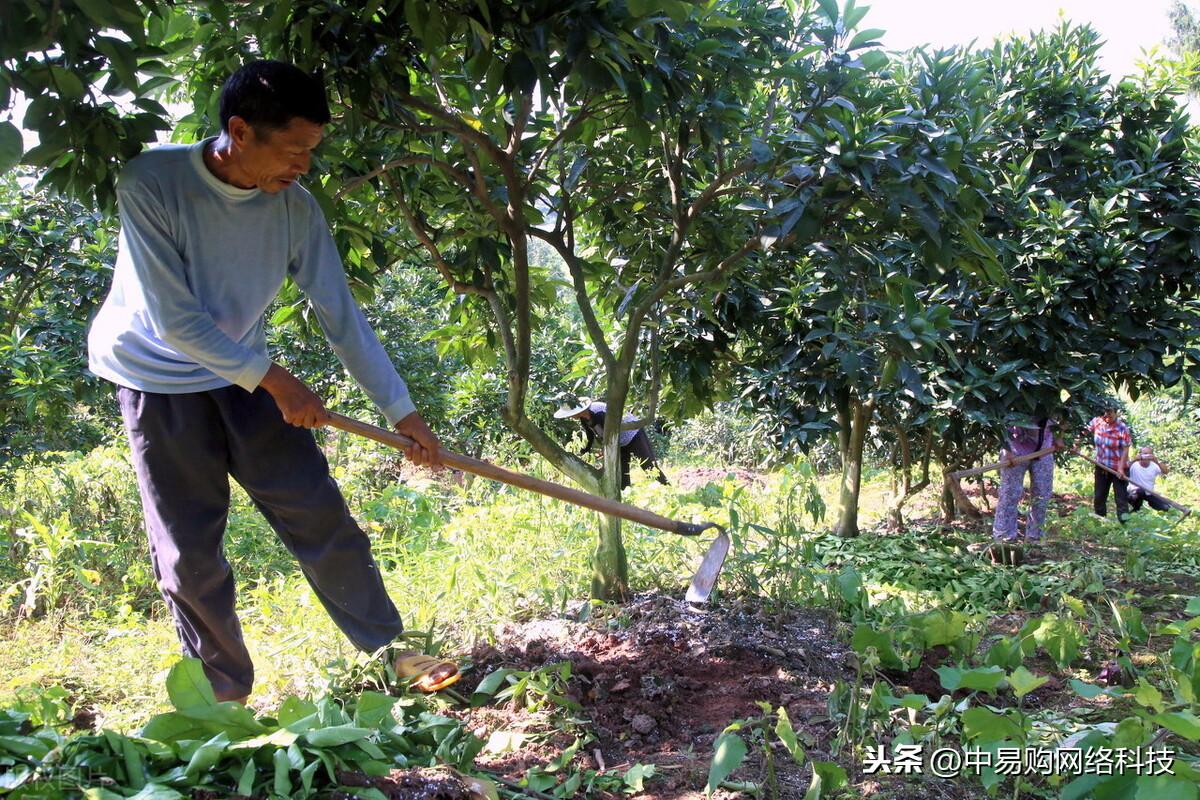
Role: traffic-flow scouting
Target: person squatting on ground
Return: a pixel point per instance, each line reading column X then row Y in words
column 633, row 441
column 1143, row 474
column 1112, row 439
column 1022, row 440
column 209, row 232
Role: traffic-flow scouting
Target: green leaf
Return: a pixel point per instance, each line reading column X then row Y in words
column 1087, row 690
column 25, row 746
column 827, row 777
column 492, row 683
column 987, row 726
column 1023, row 681
column 980, row 679
column 283, row 783
column 188, row 686
column 1148, row 695
column 332, row 737
column 156, row 791
column 294, row 710
column 865, row 637
column 864, row 36
column 730, row 752
column 636, row 775
column 1164, row 787
column 787, row 735
column 135, row 766
column 245, row 786
column 1060, row 638
column 100, row 12
column 373, row 709
column 830, row 9
column 943, row 626
column 874, row 60
column 207, row 755
column 1184, row 723
column 12, row 146
column 66, row 83
column 501, row 742
column 1193, row 606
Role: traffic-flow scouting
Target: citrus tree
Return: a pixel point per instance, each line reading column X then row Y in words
column 1074, row 273
column 658, row 148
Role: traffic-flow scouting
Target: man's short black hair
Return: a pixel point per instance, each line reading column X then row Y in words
column 269, row 94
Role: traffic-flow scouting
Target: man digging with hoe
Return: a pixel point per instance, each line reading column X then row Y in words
column 209, row 232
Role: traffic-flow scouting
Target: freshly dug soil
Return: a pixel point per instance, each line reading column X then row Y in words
column 409, row 784
column 658, row 681
column 691, row 478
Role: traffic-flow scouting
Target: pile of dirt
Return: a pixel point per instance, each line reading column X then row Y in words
column 658, row 680
column 409, row 784
column 692, row 478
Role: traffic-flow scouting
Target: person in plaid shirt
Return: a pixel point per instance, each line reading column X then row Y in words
column 1113, row 442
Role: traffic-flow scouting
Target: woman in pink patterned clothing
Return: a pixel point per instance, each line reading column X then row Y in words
column 1022, row 440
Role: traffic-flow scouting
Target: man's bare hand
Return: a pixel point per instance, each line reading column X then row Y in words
column 425, row 449
column 299, row 405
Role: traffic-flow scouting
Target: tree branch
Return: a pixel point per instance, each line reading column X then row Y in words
column 408, row 161
column 580, row 117
column 425, row 237
column 521, row 118
column 459, row 128
column 581, row 296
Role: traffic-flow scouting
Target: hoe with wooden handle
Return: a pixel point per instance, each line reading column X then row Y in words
column 710, row 567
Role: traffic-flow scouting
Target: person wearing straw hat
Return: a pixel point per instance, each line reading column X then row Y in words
column 633, row 441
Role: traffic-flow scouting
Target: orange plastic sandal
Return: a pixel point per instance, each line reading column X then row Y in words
column 430, row 674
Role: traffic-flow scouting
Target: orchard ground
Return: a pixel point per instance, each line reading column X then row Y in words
column 633, row 698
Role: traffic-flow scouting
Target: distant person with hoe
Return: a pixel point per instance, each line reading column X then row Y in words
column 209, row 233
column 1113, row 440
column 1020, row 440
column 633, row 440
column 1142, row 474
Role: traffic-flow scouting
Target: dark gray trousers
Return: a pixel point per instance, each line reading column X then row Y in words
column 1103, row 480
column 185, row 447
column 639, row 447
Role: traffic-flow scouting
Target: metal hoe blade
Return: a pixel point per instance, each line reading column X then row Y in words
column 710, row 568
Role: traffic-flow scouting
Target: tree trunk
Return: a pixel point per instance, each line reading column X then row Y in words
column 949, row 513
column 610, row 567
column 655, row 370
column 610, row 570
column 860, row 419
column 961, row 501
column 909, row 489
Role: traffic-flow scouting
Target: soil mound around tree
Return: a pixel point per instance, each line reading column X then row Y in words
column 657, row 680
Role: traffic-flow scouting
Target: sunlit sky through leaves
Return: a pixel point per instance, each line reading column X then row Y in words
column 1127, row 26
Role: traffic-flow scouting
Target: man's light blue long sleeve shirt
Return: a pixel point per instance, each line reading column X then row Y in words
column 198, row 263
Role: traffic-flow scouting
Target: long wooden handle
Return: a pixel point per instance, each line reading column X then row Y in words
column 1166, row 500
column 485, row 469
column 963, row 473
